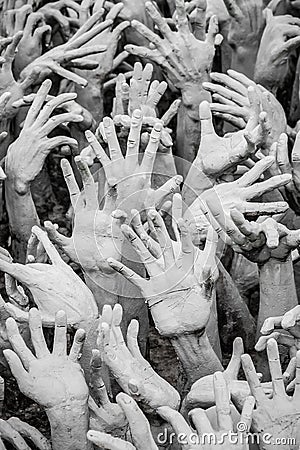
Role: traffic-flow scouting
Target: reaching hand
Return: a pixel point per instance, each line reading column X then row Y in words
column 202, row 425
column 71, row 54
column 237, row 194
column 186, row 59
column 96, row 233
column 36, row 37
column 54, row 15
column 281, row 36
column 231, row 103
column 132, row 178
column 33, row 140
column 125, row 361
column 278, row 416
column 50, row 379
column 180, row 289
column 228, row 151
column 50, row 295
column 139, row 429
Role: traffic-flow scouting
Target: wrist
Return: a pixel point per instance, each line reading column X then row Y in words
column 14, row 181
column 69, row 425
column 196, row 355
column 277, row 289
column 192, row 95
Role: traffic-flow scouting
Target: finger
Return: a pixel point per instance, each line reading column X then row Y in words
column 60, row 335
column 156, row 94
column 89, row 186
column 253, row 380
column 175, row 419
column 182, row 19
column 17, row 369
column 38, row 102
column 141, row 433
column 271, row 232
column 234, row 365
column 199, row 22
column 269, row 185
column 56, row 237
column 36, row 333
column 169, row 187
column 97, row 148
column 8, row 433
column 233, row 9
column 201, row 422
column 147, row 259
column 151, row 150
column 265, row 208
column 50, row 106
column 47, row 244
column 222, row 397
column 104, row 440
column 270, row 324
column 18, row 343
column 291, row 318
column 76, row 349
column 133, row 141
column 112, row 140
column 280, row 337
column 171, row 112
column 70, row 182
column 163, row 237
column 207, row 127
column 282, row 154
column 59, row 119
column 147, row 240
column 97, row 383
column 127, row 273
column 253, row 174
column 275, row 368
column 213, row 30
column 296, row 162
column 30, row 433
column 67, row 74
column 247, row 412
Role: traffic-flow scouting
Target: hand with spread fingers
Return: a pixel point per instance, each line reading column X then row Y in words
column 139, row 426
column 203, row 426
column 246, row 26
column 72, row 54
column 33, row 140
column 96, row 234
column 280, row 39
column 230, row 93
column 125, row 361
column 53, row 380
column 130, row 176
column 185, row 58
column 179, row 292
column 36, row 36
column 144, row 95
column 50, row 295
column 10, row 88
column 237, row 194
column 279, row 415
column 228, row 152
column 59, row 14
column 105, row 416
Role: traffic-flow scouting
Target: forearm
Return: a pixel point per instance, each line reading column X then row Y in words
column 196, row 355
column 69, row 425
column 277, row 289
column 22, row 216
